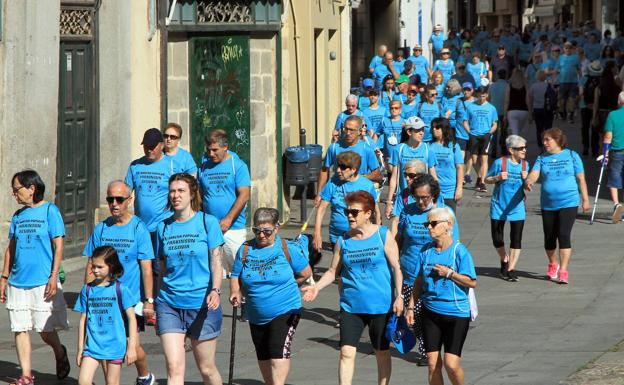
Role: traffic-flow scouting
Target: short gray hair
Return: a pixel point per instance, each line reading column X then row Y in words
column 353, row 118
column 351, row 98
column 454, row 87
column 442, row 213
column 513, row 141
column 266, row 215
column 419, row 165
column 621, row 98
column 121, row 182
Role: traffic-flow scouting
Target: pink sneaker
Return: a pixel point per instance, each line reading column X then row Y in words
column 563, row 276
column 553, row 268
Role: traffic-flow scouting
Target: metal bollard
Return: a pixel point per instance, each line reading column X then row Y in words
column 304, row 192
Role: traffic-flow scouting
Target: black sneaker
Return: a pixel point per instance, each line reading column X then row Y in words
column 482, row 187
column 512, row 276
column 477, row 184
column 421, row 360
column 503, row 270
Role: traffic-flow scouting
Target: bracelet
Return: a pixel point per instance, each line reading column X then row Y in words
column 410, row 308
column 5, row 277
column 449, row 273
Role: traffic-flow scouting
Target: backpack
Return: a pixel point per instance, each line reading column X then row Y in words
column 121, row 309
column 314, row 257
column 550, row 99
column 504, row 169
column 589, row 89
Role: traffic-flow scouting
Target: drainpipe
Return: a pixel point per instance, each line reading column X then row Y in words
column 162, row 26
column 297, row 60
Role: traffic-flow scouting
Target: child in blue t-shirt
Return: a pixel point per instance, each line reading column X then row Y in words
column 105, row 306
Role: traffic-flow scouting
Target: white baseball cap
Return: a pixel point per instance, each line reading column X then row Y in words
column 414, row 122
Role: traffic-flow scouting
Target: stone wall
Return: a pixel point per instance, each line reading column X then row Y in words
column 178, row 109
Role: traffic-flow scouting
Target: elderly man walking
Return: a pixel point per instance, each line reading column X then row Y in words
column 613, row 146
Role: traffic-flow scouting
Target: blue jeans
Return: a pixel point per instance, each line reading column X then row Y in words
column 616, row 166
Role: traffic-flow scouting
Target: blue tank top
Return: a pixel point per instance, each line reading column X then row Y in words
column 366, row 279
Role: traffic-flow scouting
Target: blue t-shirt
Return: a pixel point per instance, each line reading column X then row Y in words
column 508, row 197
column 524, row 51
column 133, row 244
column 437, row 41
column 476, row 70
column 385, row 98
column 185, row 247
column 374, row 116
column 267, row 280
column 391, row 131
column 343, row 115
column 531, row 71
column 410, row 109
column 461, row 115
column 558, row 179
column 375, row 61
column 33, row 229
column 592, row 51
column 405, row 153
column 427, row 112
column 363, row 103
column 366, row 152
column 399, row 65
column 450, row 104
column 421, row 65
column 219, row 183
column 551, row 64
column 440, row 294
column 335, row 192
column 480, row 118
column 447, row 68
column 569, row 67
column 150, row 182
column 381, row 71
column 447, row 158
column 183, row 162
column 366, row 278
column 106, row 333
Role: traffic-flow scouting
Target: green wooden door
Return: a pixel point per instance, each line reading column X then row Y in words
column 219, row 91
column 75, row 176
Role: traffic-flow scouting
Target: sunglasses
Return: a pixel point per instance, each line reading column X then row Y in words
column 412, row 92
column 519, row 148
column 265, row 232
column 410, row 175
column 432, row 223
column 352, row 212
column 445, row 53
column 395, row 108
column 433, row 94
column 119, row 200
column 343, row 166
column 172, row 137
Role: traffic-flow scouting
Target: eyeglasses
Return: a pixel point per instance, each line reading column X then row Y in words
column 422, row 197
column 343, row 166
column 172, row 137
column 436, row 127
column 395, row 108
column 431, row 95
column 352, row 212
column 351, row 129
column 523, row 148
column 265, row 232
column 432, row 223
column 412, row 92
column 410, row 175
column 119, row 200
column 16, row 189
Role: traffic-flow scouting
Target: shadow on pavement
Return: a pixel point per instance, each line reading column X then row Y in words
column 321, row 315
column 493, row 272
column 10, row 372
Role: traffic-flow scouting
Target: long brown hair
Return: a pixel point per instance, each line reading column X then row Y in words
column 196, row 199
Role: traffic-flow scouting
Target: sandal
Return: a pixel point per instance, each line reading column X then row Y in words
column 24, row 380
column 62, row 366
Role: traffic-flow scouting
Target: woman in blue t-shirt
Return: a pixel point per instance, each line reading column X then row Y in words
column 182, row 160
column 188, row 245
column 562, row 178
column 449, row 162
column 444, row 275
column 508, row 174
column 367, row 259
column 29, row 284
column 264, row 272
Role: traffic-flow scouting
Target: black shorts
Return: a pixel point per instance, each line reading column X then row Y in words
column 273, row 340
column 479, row 145
column 352, row 325
column 463, row 143
column 444, row 330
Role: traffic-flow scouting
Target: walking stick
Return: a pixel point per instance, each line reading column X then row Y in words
column 602, row 167
column 232, row 344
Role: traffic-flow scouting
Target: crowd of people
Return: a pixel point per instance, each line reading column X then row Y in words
column 424, row 129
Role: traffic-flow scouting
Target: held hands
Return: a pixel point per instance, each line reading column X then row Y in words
column 309, row 293
column 525, row 174
column 50, row 289
column 528, row 185
column 503, row 175
column 213, row 300
column 388, row 210
column 148, row 310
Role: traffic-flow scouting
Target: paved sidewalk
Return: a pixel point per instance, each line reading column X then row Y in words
column 531, row 332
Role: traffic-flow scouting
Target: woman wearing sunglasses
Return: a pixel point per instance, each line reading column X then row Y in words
column 347, row 180
column 449, row 159
column 188, row 244
column 444, row 274
column 367, row 259
column 264, row 272
column 508, row 174
column 182, row 160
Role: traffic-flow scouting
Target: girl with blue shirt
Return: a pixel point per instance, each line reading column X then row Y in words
column 391, row 129
column 445, row 273
column 29, row 284
column 430, row 109
column 188, row 245
column 562, row 178
column 182, row 160
column 507, row 205
column 449, row 162
column 367, row 259
column 386, row 94
column 107, row 316
column 264, row 272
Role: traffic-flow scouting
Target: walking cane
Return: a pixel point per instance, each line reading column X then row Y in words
column 232, row 344
column 602, row 167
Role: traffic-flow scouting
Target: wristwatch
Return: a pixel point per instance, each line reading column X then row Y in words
column 217, row 290
column 149, row 300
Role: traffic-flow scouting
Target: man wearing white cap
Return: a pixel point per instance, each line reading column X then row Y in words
column 421, row 64
column 436, row 41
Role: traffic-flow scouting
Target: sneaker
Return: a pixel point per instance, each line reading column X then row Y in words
column 617, row 213
column 467, row 178
column 421, row 360
column 482, row 187
column 149, row 380
column 512, row 276
column 563, row 277
column 553, row 269
column 503, row 269
column 477, row 184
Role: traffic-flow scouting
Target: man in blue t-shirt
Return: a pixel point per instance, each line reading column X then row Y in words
column 385, row 68
column 351, row 104
column 129, row 236
column 377, row 59
column 349, row 141
column 568, row 69
column 480, row 123
column 421, row 64
column 436, row 41
column 225, row 183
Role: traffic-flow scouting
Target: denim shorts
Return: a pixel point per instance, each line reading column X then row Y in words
column 616, row 164
column 200, row 325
